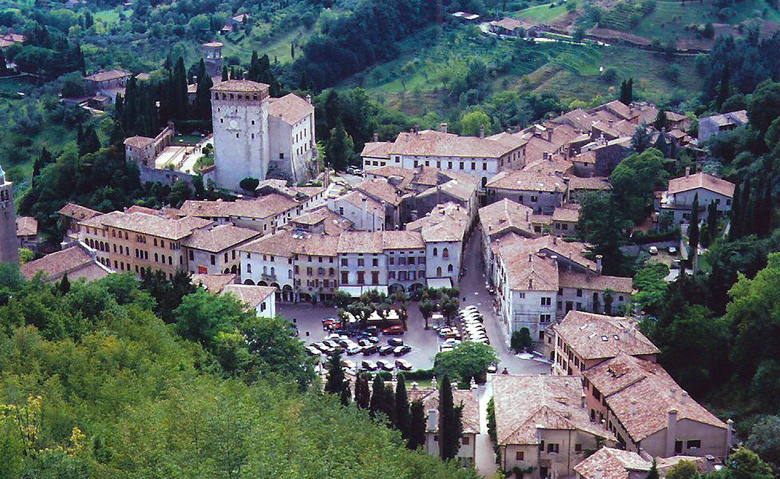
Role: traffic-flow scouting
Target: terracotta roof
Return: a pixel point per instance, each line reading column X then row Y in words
column 78, row 212
column 428, row 176
column 26, row 226
column 404, row 176
column 213, row 282
column 588, row 158
column 572, row 250
column 505, row 215
column 701, row 180
column 213, row 45
column 526, row 270
column 402, row 240
column 524, row 404
column 77, row 261
column 279, row 244
column 641, row 394
column 509, row 23
column 377, row 149
column 567, row 214
column 333, row 222
column 139, row 141
column 360, row 242
column 290, row 108
column 527, row 181
column 148, row 224
column 619, row 108
column 252, row 296
column 316, row 244
column 436, row 143
column 356, row 198
column 264, row 207
column 608, row 463
column 555, row 165
column 470, row 415
column 445, row 223
column 599, row 282
column 309, row 191
column 674, row 116
column 107, row 75
column 381, row 190
column 594, row 183
column 586, row 332
column 219, row 238
column 241, row 86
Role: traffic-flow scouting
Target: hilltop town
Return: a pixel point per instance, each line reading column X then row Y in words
column 477, row 239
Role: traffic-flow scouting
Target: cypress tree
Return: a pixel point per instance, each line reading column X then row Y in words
column 90, row 143
column 712, row 222
column 64, row 286
column 224, row 73
column 746, row 212
column 693, row 230
column 362, row 391
column 203, row 95
column 179, row 90
column 402, row 414
column 653, row 472
column 416, row 425
column 388, row 404
column 734, row 232
column 661, row 121
column 377, row 403
column 723, row 88
column 335, row 382
column 346, row 395
column 450, row 427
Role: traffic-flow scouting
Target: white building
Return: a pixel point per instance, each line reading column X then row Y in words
column 362, row 263
column 678, row 198
column 214, row 250
column 444, row 233
column 250, row 127
column 365, row 213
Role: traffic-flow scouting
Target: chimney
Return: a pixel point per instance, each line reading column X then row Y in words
column 683, row 397
column 376, row 137
column 528, row 216
column 633, row 407
column 432, row 420
column 530, row 255
column 482, row 131
column 416, row 129
column 582, row 400
column 555, row 240
column 443, row 127
column 530, row 283
column 687, row 171
column 598, row 263
column 549, row 134
column 671, row 432
column 365, row 211
column 308, row 98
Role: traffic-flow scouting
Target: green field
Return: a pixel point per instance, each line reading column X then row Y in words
column 541, row 13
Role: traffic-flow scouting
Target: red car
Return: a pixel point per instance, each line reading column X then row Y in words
column 393, row 330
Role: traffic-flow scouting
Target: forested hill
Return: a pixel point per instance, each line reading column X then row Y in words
column 94, row 384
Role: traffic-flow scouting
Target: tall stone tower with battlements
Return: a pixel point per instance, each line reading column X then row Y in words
column 240, row 119
column 9, row 246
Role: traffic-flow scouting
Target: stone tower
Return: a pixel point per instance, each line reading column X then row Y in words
column 212, row 56
column 240, row 118
column 9, row 247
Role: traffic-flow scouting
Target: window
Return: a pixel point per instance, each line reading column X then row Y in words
column 520, row 199
column 578, row 448
column 361, row 262
column 579, row 293
column 445, row 253
column 375, row 277
column 392, row 260
column 449, row 268
column 695, row 443
column 375, row 262
column 465, row 440
column 552, row 448
column 484, row 166
column 546, row 301
column 545, row 318
column 391, row 274
column 534, row 198
column 344, row 261
column 344, row 277
column 519, row 456
column 213, row 260
column 308, row 270
column 596, row 394
column 361, row 277
column 249, row 268
column 435, row 251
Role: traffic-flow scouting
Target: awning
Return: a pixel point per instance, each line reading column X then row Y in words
column 437, row 283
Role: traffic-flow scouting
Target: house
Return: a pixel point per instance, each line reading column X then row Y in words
column 214, row 250
column 646, row 410
column 406, row 261
column 444, row 233
column 108, row 83
column 579, row 187
column 265, row 214
column 11, row 39
column 321, row 220
column 461, row 191
column 583, row 340
column 469, row 421
column 542, row 424
column 565, row 219
column 538, row 191
column 78, row 261
column 291, row 136
column 678, row 198
column 362, row 264
column 501, row 218
column 259, row 298
column 27, row 232
column 388, row 195
column 512, row 27
column 710, row 126
column 70, row 216
column 597, row 293
column 365, row 213
column 611, row 463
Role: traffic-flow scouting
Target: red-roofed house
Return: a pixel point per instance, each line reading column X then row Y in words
column 678, row 198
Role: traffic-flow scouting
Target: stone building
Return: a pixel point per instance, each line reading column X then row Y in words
column 9, row 247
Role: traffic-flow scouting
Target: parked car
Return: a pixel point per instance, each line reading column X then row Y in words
column 393, row 330
column 330, row 319
column 395, row 342
column 364, row 342
column 368, row 365
column 443, row 332
column 373, row 339
column 653, row 250
column 446, row 347
column 401, row 350
column 385, row 365
column 351, row 351
column 312, row 351
column 492, row 369
column 370, row 349
column 385, row 350
column 454, row 334
column 403, row 365
column 372, row 330
column 348, row 365
column 672, row 250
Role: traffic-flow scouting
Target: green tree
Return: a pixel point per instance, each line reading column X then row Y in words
column 683, row 470
column 402, row 415
column 90, row 142
column 427, row 308
column 764, row 439
column 378, row 403
column 764, row 105
column 362, row 391
column 653, row 473
column 521, row 340
column 640, row 140
column 723, row 87
column 472, row 123
column 468, row 360
column 450, row 426
column 693, row 229
column 417, row 425
column 491, row 421
column 601, row 225
column 202, row 315
column 712, row 223
column 249, row 184
column 340, row 148
column 661, row 120
column 627, row 91
column 64, row 286
column 336, row 381
column 635, row 179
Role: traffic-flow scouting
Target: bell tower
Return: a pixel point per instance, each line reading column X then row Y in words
column 9, row 247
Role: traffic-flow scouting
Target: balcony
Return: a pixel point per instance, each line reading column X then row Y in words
column 269, row 277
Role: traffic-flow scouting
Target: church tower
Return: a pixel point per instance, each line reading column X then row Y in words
column 240, row 119
column 9, row 247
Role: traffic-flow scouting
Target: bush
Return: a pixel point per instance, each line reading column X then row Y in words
column 609, row 76
column 249, row 183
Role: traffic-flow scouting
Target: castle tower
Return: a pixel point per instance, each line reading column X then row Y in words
column 9, row 247
column 239, row 110
column 212, row 56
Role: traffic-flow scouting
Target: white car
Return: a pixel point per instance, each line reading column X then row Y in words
column 403, row 365
column 446, row 347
